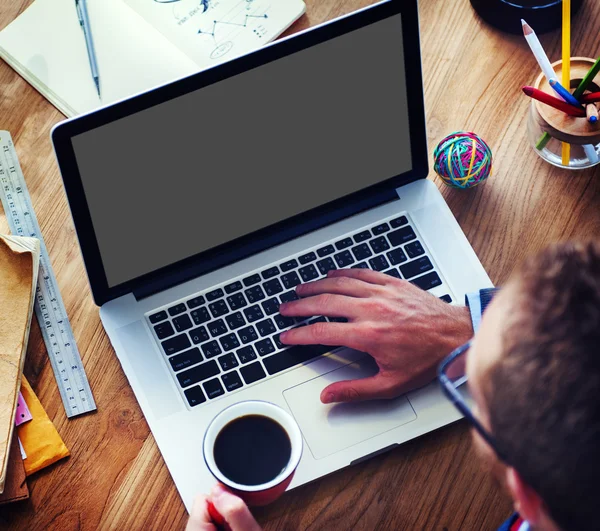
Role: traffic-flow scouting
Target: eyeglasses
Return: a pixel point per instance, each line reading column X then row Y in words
column 453, row 378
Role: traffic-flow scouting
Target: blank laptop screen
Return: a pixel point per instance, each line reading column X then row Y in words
column 215, row 164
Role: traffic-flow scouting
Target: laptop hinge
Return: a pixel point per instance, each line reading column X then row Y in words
column 162, row 284
column 190, row 271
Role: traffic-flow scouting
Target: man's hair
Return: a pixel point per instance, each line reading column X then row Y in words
column 544, row 393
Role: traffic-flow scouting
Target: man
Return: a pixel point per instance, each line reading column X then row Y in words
column 533, row 372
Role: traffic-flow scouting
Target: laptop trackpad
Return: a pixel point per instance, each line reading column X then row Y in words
column 329, row 428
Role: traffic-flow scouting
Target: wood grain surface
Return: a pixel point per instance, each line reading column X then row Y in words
column 116, row 479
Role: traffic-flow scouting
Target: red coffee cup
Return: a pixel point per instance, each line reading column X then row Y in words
column 268, row 491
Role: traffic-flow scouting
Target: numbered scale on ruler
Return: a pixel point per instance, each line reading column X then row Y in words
column 49, row 307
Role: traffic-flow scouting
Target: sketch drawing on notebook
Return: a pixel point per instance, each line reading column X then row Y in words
column 183, row 9
column 214, row 30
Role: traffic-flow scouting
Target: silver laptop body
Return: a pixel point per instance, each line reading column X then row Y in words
column 315, row 146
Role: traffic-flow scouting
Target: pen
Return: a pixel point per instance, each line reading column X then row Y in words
column 84, row 21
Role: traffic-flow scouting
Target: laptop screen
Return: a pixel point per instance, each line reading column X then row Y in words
column 246, row 152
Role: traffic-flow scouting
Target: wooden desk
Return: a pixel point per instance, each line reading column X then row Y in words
column 116, row 478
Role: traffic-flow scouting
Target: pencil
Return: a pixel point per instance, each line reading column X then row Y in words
column 563, row 93
column 543, row 141
column 548, row 99
column 590, row 152
column 538, row 51
column 566, row 65
column 545, row 65
column 592, row 97
column 589, row 77
column 591, row 112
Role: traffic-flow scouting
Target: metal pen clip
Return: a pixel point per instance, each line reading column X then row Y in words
column 79, row 14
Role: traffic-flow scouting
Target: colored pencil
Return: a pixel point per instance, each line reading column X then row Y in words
column 592, row 97
column 543, row 141
column 548, row 99
column 564, row 93
column 538, row 51
column 591, row 112
column 589, row 77
column 566, row 65
column 591, row 154
column 545, row 65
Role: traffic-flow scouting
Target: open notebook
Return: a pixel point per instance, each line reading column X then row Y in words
column 140, row 44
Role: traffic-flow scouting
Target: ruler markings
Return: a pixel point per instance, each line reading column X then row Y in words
column 50, row 310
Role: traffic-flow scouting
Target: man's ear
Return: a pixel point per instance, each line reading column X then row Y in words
column 527, row 502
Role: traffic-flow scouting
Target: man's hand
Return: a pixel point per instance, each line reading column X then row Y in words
column 407, row 331
column 232, row 509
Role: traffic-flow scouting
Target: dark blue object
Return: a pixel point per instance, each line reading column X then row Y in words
column 454, row 395
column 541, row 15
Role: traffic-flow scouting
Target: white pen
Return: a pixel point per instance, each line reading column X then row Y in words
column 84, row 21
column 538, row 51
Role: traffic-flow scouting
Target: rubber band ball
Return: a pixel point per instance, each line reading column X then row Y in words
column 463, row 160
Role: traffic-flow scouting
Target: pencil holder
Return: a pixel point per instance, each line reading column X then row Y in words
column 548, row 128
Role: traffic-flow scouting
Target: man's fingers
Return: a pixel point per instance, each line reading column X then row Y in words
column 233, row 509
column 340, row 285
column 331, row 334
column 366, row 275
column 374, row 387
column 199, row 518
column 324, row 304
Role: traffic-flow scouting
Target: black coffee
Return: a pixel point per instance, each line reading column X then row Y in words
column 252, row 450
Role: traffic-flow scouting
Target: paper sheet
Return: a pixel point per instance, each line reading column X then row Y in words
column 23, row 414
column 19, row 262
column 23, row 454
column 41, row 441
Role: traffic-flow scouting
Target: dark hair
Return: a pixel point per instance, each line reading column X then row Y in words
column 544, row 393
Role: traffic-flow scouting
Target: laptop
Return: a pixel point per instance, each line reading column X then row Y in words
column 201, row 205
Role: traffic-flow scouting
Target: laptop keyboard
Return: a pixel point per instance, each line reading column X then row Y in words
column 227, row 337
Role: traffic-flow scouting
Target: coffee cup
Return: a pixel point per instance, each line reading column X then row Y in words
column 253, row 448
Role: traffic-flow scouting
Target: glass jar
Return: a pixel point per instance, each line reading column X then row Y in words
column 548, row 128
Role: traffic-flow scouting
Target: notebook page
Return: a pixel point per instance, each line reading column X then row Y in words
column 213, row 31
column 46, row 45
